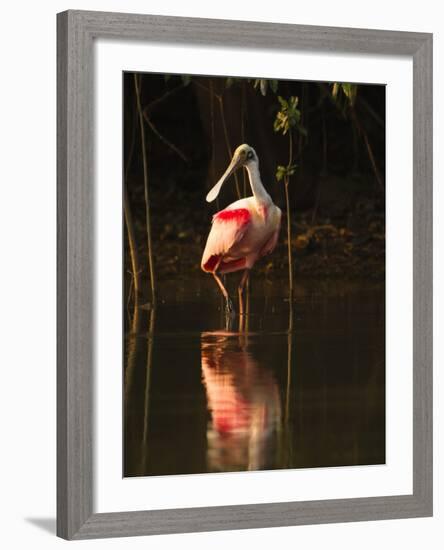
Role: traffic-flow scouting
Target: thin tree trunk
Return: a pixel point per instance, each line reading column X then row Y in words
column 289, row 360
column 287, row 205
column 289, row 252
column 324, row 143
column 145, row 182
column 371, row 156
column 213, row 141
column 227, row 143
column 243, row 115
column 288, row 390
column 131, row 241
column 132, row 346
column 324, row 172
column 129, row 217
column 149, row 364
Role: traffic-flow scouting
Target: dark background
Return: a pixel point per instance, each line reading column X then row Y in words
column 192, row 125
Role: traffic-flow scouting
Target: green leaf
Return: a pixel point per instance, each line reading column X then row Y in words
column 186, row 79
column 294, row 102
column 289, row 116
column 282, row 102
column 335, row 90
column 280, row 173
column 273, row 85
column 348, row 90
column 264, row 84
column 291, row 169
column 283, row 172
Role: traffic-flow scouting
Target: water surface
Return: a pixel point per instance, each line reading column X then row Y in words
column 298, row 387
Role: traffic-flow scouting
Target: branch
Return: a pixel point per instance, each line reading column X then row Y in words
column 227, row 143
column 163, row 139
column 162, row 98
column 145, row 182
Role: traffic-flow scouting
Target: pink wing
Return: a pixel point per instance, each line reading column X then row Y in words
column 229, row 226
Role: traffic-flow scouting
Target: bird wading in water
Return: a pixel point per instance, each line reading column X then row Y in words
column 244, row 231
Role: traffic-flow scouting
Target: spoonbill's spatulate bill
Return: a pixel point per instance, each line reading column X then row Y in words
column 245, row 230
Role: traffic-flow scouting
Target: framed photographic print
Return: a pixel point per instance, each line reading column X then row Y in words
column 244, row 274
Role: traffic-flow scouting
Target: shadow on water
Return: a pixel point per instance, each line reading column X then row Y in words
column 296, row 387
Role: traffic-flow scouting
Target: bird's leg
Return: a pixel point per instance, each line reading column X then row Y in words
column 229, row 322
column 229, row 310
column 240, row 291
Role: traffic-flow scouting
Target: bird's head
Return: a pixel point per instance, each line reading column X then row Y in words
column 244, row 155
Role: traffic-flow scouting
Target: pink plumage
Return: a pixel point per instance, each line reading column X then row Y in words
column 240, row 216
column 244, row 231
column 228, row 228
column 239, row 236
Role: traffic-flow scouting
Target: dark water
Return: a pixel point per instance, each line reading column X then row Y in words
column 200, row 396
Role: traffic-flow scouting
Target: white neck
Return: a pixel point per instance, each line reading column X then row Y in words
column 259, row 192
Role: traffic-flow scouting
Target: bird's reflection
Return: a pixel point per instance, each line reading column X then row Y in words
column 243, row 403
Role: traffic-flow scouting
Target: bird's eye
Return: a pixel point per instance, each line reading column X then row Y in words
column 250, row 155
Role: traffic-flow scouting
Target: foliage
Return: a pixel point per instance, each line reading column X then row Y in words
column 288, row 119
column 344, row 94
column 264, row 84
column 289, row 116
column 261, row 84
column 283, row 172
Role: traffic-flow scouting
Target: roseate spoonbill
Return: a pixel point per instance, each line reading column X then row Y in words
column 244, row 231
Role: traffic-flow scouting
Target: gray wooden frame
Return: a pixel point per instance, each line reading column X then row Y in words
column 76, row 31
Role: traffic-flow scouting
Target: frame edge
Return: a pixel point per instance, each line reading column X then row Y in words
column 423, row 274
column 75, row 518
column 62, row 447
column 75, row 207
